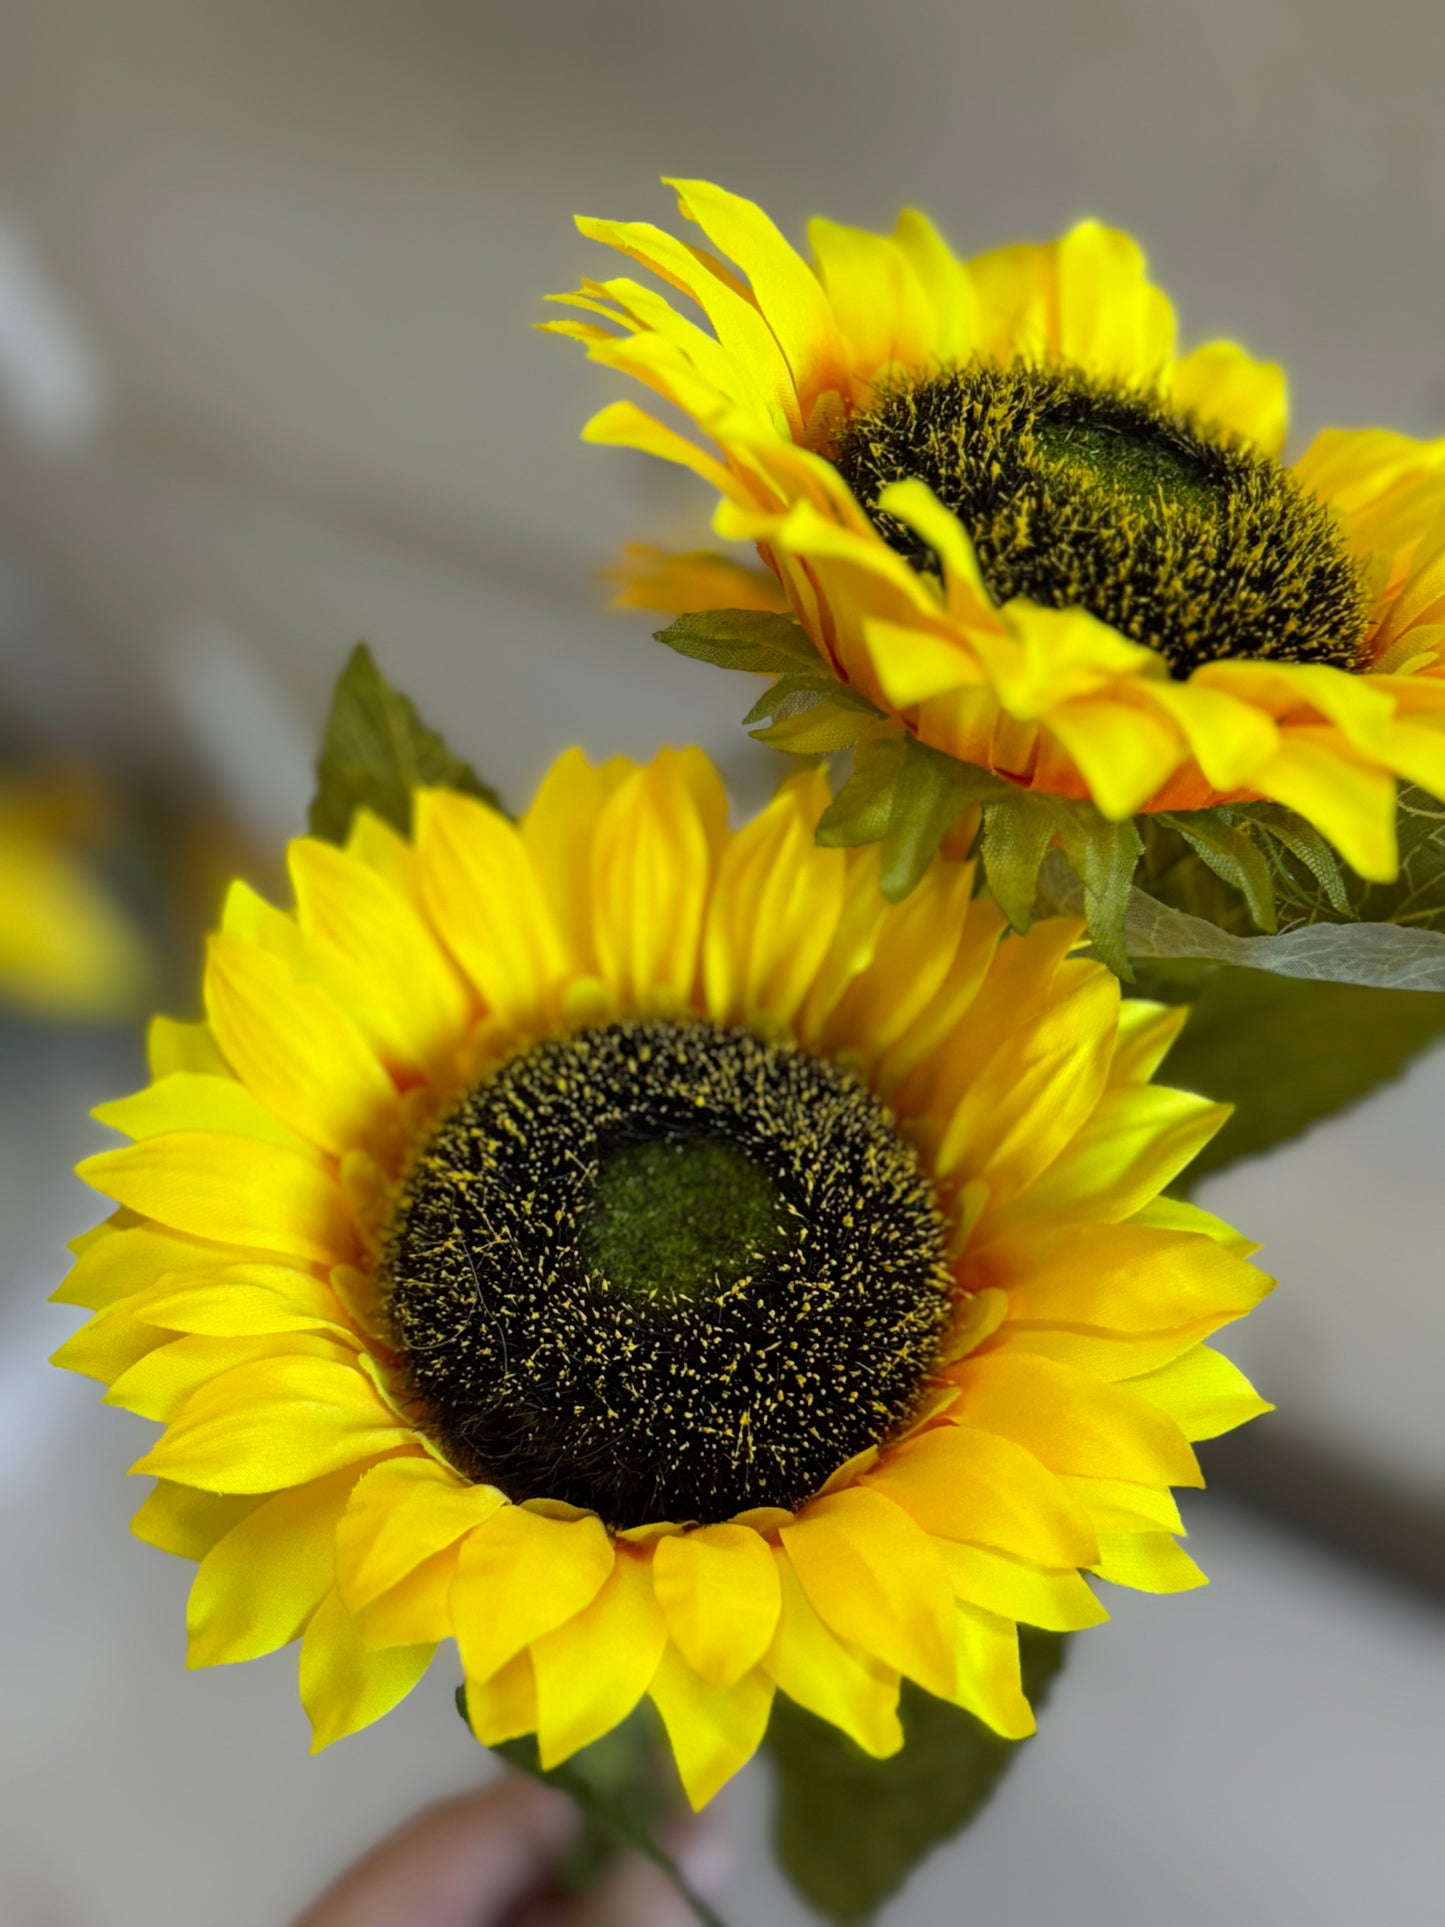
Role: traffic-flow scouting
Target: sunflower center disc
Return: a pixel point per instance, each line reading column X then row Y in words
column 1079, row 494
column 665, row 1271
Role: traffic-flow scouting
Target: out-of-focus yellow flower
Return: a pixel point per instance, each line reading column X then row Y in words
column 67, row 948
column 1012, row 516
column 639, row 1252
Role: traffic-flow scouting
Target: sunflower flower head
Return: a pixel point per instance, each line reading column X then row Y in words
column 1015, row 525
column 637, row 1252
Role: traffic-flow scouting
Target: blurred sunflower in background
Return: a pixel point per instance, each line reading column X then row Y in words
column 639, row 1252
column 1010, row 516
column 68, row 949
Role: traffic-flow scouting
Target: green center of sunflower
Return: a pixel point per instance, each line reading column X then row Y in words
column 1081, row 494
column 679, row 1215
column 665, row 1271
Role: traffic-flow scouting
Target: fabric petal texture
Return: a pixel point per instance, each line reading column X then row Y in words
column 256, row 1295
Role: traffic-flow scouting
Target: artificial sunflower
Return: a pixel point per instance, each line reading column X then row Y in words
column 640, row 1253
column 1013, row 518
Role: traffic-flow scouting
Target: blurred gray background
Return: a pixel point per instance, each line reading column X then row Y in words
column 267, row 385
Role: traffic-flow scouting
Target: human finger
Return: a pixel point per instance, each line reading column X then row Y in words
column 465, row 1862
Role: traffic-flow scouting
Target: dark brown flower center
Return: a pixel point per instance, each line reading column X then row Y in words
column 665, row 1271
column 1079, row 494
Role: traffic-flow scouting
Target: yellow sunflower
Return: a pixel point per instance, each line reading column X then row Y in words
column 68, row 950
column 638, row 1252
column 1014, row 518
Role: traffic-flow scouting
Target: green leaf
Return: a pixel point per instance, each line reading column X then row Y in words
column 1417, row 897
column 375, row 751
column 1383, row 955
column 849, row 1829
column 626, row 1786
column 1286, row 1052
column 772, row 645
column 815, row 722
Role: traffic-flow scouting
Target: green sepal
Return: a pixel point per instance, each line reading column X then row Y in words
column 848, row 1829
column 906, row 797
column 755, row 639
column 1287, row 835
column 1104, row 857
column 1234, row 854
column 627, row 1788
column 1015, row 840
column 811, row 716
column 375, row 750
column 1020, row 827
column 811, row 713
column 1285, row 1051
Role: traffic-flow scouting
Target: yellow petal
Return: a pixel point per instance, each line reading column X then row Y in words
column 235, row 1190
column 187, row 1101
column 503, row 1707
column 1034, row 1595
column 162, row 1381
column 1125, row 752
column 1026, row 1102
column 785, row 288
column 132, row 1257
column 1149, row 1562
column 179, row 1519
column 235, row 1301
column 171, row 1046
column 109, row 1345
column 914, row 664
column 1354, row 806
column 1112, row 321
column 1203, row 1392
column 646, row 577
column 344, row 1685
column 875, row 1578
column 962, row 1483
column 946, row 282
column 399, row 1515
column 1117, row 1505
column 718, row 1590
column 417, row 1611
column 849, row 1688
column 1137, row 1139
column 557, row 832
column 275, row 1422
column 886, row 318
column 295, row 1050
column 651, row 864
column 714, row 1730
column 519, row 1576
column 1222, row 385
column 622, row 424
column 416, row 1008
column 1173, row 1214
column 989, row 1686
column 774, row 909
column 1119, row 1277
column 595, row 1668
column 258, row 1586
column 1072, row 1422
column 486, row 899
